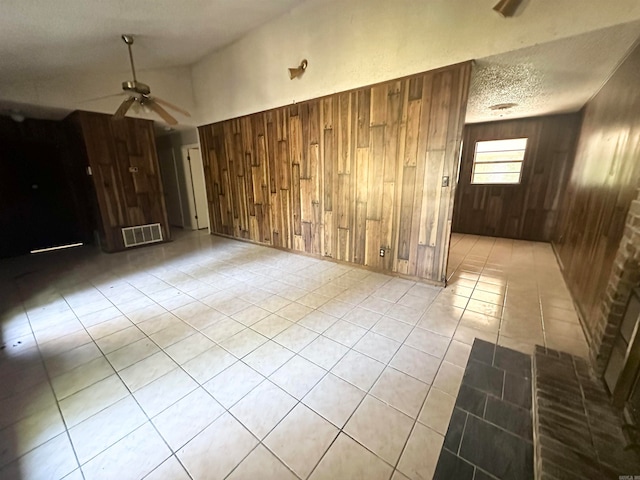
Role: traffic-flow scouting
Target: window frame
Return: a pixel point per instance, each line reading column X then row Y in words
column 474, row 161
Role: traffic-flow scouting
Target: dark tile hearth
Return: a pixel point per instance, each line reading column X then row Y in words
column 490, row 432
column 578, row 434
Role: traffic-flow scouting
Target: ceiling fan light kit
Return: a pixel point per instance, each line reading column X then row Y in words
column 140, row 93
column 299, row 70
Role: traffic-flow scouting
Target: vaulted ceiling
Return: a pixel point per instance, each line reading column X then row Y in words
column 222, row 58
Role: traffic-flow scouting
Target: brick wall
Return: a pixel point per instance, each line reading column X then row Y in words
column 625, row 276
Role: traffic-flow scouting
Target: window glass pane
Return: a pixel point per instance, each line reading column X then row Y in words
column 506, row 156
column 503, row 167
column 496, row 178
column 501, row 145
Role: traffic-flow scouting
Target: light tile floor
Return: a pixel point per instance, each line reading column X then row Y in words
column 212, row 358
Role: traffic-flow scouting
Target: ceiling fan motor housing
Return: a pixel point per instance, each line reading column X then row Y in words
column 136, row 87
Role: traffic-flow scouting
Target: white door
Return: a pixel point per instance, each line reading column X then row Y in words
column 195, row 181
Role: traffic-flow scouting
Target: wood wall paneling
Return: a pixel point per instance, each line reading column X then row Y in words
column 603, row 182
column 345, row 175
column 124, row 198
column 527, row 211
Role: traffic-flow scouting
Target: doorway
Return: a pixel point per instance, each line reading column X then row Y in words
column 196, row 190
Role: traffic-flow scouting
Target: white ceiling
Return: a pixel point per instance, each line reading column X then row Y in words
column 41, row 38
column 55, row 55
column 553, row 77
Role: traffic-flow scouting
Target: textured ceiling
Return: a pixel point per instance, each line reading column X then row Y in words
column 553, row 77
column 50, row 38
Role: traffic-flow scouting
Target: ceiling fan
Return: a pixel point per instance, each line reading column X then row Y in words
column 140, row 93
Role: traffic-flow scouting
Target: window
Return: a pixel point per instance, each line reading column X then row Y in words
column 498, row 161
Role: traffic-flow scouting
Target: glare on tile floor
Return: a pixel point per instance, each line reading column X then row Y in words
column 207, row 357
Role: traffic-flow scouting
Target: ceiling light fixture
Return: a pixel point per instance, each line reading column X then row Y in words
column 503, row 106
column 507, row 8
column 299, row 70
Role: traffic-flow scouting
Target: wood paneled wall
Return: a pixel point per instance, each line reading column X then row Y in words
column 345, row 175
column 124, row 198
column 529, row 210
column 604, row 181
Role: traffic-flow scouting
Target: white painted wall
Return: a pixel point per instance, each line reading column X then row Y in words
column 352, row 43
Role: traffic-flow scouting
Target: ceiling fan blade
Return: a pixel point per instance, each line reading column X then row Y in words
column 123, row 108
column 172, row 106
column 161, row 111
column 103, row 97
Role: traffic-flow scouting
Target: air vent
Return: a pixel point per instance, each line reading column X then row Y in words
column 141, row 235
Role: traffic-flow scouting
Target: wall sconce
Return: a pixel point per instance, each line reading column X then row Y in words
column 507, row 8
column 299, row 70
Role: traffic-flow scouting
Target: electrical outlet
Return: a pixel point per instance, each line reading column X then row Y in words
column 382, row 252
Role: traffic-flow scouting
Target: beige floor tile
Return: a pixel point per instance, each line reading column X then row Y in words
column 301, row 439
column 480, row 321
column 223, row 329
column 420, row 456
column 334, row 399
column 437, row 410
column 271, row 325
column 458, row 353
column 324, row 352
column 358, row 369
column 295, row 338
column 468, row 335
column 81, row 377
column 404, row 314
column 159, row 322
column 243, row 343
column 377, row 346
column 267, row 358
column 379, row 427
column 132, row 353
column 250, row 315
column 233, row 383
column 208, row 364
column 294, row 311
column 165, row 391
column 262, row 408
column 273, row 303
column 145, row 313
column 74, row 358
column 170, row 469
column 136, row 455
column 109, row 327
column 449, row 378
column 105, row 428
column 317, row 321
column 186, row 418
column 336, row 308
column 345, row 333
column 189, row 348
column 146, row 371
column 348, row 459
column 297, row 376
column 28, row 433
column 401, row 391
column 362, row 317
column 416, row 364
column 392, row 329
column 168, row 336
column 262, row 464
column 54, row 459
column 428, row 342
column 91, row 400
column 26, row 403
column 218, row 449
column 120, row 339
